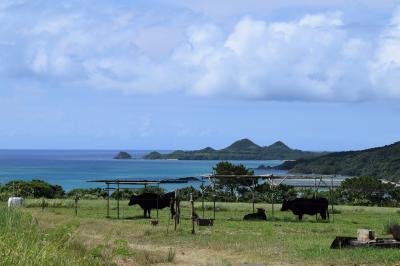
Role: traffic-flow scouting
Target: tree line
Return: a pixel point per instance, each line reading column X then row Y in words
column 363, row 190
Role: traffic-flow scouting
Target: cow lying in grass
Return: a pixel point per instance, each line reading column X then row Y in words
column 303, row 206
column 259, row 215
column 149, row 201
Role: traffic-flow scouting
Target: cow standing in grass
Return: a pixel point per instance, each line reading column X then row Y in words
column 149, row 201
column 303, row 206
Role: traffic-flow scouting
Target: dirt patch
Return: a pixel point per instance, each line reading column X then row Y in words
column 184, row 257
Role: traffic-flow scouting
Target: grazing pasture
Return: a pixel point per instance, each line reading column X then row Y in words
column 132, row 240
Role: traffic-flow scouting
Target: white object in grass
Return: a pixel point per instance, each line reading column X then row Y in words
column 15, row 201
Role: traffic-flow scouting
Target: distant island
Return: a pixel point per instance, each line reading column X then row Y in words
column 243, row 149
column 122, row 155
column 381, row 162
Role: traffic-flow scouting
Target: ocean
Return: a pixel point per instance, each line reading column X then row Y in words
column 73, row 168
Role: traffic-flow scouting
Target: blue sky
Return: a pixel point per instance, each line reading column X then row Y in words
column 318, row 75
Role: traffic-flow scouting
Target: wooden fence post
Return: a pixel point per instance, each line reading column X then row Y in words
column 43, row 203
column 76, row 205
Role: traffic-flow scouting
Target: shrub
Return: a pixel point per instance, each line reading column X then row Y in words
column 34, row 188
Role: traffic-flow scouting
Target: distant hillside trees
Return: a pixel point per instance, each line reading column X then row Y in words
column 243, row 149
column 381, row 163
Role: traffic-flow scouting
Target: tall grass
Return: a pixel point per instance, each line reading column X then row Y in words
column 49, row 203
column 23, row 243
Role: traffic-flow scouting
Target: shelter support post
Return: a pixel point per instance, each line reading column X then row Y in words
column 214, row 204
column 108, row 200
column 272, row 198
column 253, row 195
column 315, row 188
column 315, row 194
column 192, row 208
column 158, row 197
column 202, row 195
column 177, row 209
column 117, row 200
column 332, row 195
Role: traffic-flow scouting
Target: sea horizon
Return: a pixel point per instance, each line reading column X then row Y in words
column 73, row 168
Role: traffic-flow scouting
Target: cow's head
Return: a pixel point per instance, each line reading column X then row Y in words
column 260, row 210
column 285, row 205
column 133, row 200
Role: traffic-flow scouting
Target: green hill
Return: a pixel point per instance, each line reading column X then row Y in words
column 243, row 149
column 122, row 155
column 381, row 162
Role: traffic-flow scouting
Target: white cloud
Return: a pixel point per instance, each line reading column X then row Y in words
column 385, row 68
column 312, row 58
column 309, row 59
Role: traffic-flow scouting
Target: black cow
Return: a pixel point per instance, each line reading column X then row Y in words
column 259, row 215
column 149, row 201
column 303, row 206
column 394, row 229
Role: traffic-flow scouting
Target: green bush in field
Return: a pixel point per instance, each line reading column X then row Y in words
column 23, row 243
column 87, row 193
column 34, row 188
column 369, row 191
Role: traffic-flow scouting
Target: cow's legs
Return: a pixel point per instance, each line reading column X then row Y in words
column 149, row 213
column 300, row 217
column 172, row 208
column 145, row 213
column 172, row 211
column 323, row 215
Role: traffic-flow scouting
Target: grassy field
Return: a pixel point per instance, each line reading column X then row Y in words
column 90, row 238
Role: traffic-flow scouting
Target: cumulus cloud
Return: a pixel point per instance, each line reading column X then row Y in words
column 312, row 58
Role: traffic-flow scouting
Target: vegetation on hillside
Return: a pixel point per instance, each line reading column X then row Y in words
column 381, row 163
column 243, row 149
column 123, row 155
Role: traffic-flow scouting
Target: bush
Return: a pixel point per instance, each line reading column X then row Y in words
column 34, row 188
column 89, row 193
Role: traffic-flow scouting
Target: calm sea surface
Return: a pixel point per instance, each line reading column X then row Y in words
column 73, row 168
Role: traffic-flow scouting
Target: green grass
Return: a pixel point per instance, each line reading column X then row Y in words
column 231, row 241
column 22, row 242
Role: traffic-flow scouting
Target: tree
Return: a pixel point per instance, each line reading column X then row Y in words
column 233, row 184
column 366, row 190
column 34, row 188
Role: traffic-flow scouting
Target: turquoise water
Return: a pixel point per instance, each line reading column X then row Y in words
column 73, row 168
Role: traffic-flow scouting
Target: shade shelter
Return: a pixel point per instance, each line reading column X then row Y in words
column 320, row 181
column 132, row 182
